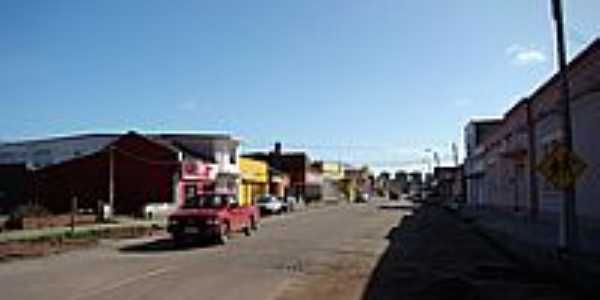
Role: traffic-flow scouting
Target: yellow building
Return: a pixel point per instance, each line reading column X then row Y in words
column 254, row 180
column 331, row 170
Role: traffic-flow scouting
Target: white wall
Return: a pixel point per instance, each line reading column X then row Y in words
column 223, row 157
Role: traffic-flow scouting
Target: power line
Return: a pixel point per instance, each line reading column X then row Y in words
column 146, row 160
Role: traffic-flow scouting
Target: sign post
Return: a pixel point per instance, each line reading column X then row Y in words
column 568, row 237
column 562, row 168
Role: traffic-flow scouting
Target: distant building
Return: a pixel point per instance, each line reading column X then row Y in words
column 448, row 182
column 476, row 132
column 254, row 180
column 429, row 181
column 399, row 185
column 332, row 173
column 415, row 182
column 382, row 184
column 304, row 180
column 358, row 180
column 329, row 169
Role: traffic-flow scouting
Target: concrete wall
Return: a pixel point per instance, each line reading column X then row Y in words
column 586, row 142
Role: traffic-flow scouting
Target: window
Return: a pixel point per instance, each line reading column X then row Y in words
column 206, row 201
column 190, row 191
column 233, row 156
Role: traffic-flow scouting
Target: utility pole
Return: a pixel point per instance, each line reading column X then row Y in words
column 436, row 159
column 111, row 179
column 428, row 160
column 455, row 154
column 73, row 213
column 568, row 229
column 532, row 155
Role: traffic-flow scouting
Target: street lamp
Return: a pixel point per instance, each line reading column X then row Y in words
column 428, row 160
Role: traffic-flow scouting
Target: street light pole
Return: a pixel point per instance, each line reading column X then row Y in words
column 568, row 230
column 111, row 179
column 428, row 160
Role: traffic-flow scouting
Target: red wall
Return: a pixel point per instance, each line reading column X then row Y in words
column 143, row 172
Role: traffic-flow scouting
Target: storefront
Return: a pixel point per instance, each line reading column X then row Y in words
column 196, row 178
column 254, row 180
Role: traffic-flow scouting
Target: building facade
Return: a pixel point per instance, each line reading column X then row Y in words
column 502, row 159
column 254, row 180
column 331, row 174
column 476, row 132
column 296, row 166
column 129, row 171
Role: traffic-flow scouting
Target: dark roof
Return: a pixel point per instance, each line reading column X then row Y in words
column 272, row 154
column 193, row 136
column 196, row 145
column 486, row 121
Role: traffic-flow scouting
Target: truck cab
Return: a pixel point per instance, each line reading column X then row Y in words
column 212, row 215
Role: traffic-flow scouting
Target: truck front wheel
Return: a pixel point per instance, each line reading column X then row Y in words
column 178, row 239
column 248, row 229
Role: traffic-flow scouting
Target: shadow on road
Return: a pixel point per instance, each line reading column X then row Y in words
column 432, row 255
column 166, row 245
column 393, row 206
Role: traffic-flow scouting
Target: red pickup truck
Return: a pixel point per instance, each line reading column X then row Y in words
column 212, row 215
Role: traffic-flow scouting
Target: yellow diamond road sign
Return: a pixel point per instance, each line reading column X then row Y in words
column 561, row 167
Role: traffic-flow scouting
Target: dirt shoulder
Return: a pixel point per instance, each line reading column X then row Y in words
column 55, row 242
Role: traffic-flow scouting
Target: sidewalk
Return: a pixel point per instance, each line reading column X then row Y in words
column 535, row 243
column 435, row 255
column 543, row 232
column 33, row 234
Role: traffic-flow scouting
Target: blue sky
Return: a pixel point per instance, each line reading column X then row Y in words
column 367, row 81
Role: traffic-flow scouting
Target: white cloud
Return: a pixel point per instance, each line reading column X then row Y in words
column 523, row 56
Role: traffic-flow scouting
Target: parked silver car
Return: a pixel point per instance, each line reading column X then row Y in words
column 290, row 203
column 269, row 204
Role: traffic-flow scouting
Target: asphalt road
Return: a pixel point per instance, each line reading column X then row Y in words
column 286, row 255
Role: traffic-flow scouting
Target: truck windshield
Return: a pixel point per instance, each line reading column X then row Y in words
column 206, row 201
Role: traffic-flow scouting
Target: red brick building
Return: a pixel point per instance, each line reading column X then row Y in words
column 509, row 178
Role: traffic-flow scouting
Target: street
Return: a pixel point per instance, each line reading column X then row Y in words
column 286, row 254
column 291, row 150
